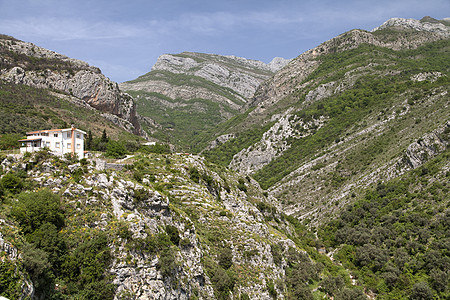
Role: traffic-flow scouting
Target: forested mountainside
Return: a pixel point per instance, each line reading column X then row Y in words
column 183, row 98
column 361, row 108
column 396, row 236
column 25, row 64
column 333, row 183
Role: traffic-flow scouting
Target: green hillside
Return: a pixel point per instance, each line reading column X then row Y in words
column 185, row 124
column 383, row 88
column 395, row 239
column 26, row 108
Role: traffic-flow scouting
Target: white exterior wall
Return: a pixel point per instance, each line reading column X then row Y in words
column 60, row 144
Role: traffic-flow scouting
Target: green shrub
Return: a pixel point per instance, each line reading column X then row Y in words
column 241, row 185
column 271, row 289
column 10, row 281
column 276, row 254
column 123, row 232
column 38, row 266
column 351, row 294
column 225, row 258
column 85, row 269
column 115, row 149
column 421, row 291
column 223, row 282
column 173, row 234
column 12, row 183
column 185, row 243
column 36, row 208
column 167, row 264
column 194, row 174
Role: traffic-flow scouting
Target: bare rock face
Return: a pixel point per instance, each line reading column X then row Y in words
column 220, row 140
column 72, row 76
column 427, row 147
column 241, row 75
column 274, row 142
column 423, row 25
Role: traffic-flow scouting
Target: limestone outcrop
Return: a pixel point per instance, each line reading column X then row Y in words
column 240, row 75
column 105, row 200
column 41, row 68
column 426, row 24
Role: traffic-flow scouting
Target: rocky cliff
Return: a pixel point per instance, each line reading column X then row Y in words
column 28, row 64
column 427, row 24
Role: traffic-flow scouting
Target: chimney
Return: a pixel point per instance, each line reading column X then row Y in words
column 73, row 140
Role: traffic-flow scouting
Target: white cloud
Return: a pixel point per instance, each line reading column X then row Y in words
column 68, row 29
column 63, row 29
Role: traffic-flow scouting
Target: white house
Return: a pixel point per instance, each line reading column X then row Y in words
column 59, row 141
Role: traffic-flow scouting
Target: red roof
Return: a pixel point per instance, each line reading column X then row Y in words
column 31, row 139
column 53, row 130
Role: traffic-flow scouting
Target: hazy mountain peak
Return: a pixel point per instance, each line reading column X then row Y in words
column 186, row 61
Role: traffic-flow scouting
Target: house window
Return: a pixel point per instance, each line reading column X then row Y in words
column 57, row 145
column 78, row 135
column 69, row 135
column 55, row 135
column 78, row 146
column 69, row 146
column 47, row 144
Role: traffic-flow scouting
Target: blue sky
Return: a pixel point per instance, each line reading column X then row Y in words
column 125, row 38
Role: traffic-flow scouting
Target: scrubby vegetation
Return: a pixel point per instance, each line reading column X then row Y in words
column 371, row 93
column 395, row 239
column 58, row 265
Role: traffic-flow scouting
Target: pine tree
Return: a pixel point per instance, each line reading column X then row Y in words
column 89, row 140
column 104, row 138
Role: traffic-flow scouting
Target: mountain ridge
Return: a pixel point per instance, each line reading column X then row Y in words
column 333, row 183
column 292, row 114
column 28, row 64
column 205, row 88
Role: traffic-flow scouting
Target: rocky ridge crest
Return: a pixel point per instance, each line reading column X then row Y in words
column 417, row 25
column 239, row 74
column 71, row 76
column 290, row 78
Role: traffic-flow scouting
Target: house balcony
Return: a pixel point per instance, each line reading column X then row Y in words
column 31, row 145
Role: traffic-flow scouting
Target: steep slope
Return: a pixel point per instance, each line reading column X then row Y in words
column 395, row 236
column 23, row 63
column 160, row 227
column 187, row 94
column 355, row 110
